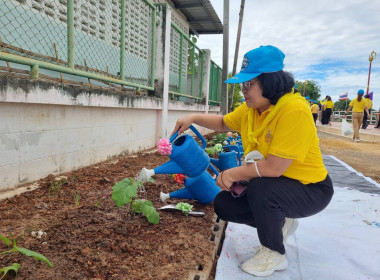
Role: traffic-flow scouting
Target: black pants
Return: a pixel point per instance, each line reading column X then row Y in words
column 365, row 118
column 326, row 115
column 315, row 116
column 268, row 201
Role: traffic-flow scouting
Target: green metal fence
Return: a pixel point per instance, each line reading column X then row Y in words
column 87, row 38
column 186, row 66
column 215, row 84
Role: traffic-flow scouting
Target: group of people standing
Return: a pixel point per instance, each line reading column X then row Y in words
column 361, row 108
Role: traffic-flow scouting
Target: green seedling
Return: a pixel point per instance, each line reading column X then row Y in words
column 125, row 192
column 97, row 204
column 15, row 266
column 76, row 198
column 56, row 187
column 184, row 207
column 212, row 151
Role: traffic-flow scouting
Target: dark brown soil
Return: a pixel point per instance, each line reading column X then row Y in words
column 90, row 238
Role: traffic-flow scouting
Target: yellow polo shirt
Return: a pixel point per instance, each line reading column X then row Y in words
column 369, row 103
column 314, row 109
column 291, row 134
column 329, row 104
column 358, row 106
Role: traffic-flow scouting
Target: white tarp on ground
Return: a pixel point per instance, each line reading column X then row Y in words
column 340, row 243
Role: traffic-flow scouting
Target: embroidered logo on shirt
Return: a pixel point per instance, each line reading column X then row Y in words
column 268, row 136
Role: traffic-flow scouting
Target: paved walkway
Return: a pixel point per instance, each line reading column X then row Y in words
column 371, row 133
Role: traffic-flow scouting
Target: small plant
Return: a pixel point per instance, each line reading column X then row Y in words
column 219, row 138
column 212, row 151
column 76, row 198
column 126, row 190
column 184, row 207
column 56, row 187
column 97, row 204
column 15, row 266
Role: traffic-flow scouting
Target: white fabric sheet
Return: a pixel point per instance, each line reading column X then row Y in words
column 340, row 243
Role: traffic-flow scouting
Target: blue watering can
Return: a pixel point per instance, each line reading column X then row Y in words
column 228, row 160
column 187, row 157
column 202, row 188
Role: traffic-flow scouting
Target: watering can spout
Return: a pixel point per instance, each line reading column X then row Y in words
column 182, row 193
column 170, row 167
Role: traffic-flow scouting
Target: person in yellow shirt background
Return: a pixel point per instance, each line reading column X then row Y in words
column 314, row 110
column 369, row 107
column 290, row 181
column 327, row 108
column 358, row 106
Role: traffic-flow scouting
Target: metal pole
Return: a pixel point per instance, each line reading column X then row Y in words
column 70, row 33
column 372, row 56
column 231, row 94
column 180, row 62
column 122, row 40
column 226, row 10
column 153, row 56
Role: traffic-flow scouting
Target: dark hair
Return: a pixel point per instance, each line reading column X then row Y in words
column 275, row 84
column 360, row 96
column 366, row 96
column 328, row 97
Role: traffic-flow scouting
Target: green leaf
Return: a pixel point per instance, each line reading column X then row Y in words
column 184, row 207
column 151, row 180
column 5, row 240
column 124, row 191
column 15, row 267
column 35, row 255
column 138, row 205
column 151, row 214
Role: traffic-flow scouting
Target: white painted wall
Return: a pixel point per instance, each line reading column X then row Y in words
column 38, row 138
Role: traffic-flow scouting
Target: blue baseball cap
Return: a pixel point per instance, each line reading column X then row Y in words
column 360, row 91
column 265, row 59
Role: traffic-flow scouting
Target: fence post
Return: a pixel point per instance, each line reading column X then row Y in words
column 122, row 40
column 70, row 33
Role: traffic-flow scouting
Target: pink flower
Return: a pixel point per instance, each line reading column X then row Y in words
column 164, row 147
column 229, row 134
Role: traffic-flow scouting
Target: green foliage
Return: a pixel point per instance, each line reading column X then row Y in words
column 15, row 266
column 341, row 105
column 126, row 190
column 214, row 150
column 56, row 187
column 218, row 139
column 312, row 89
column 237, row 95
column 184, row 207
column 146, row 207
column 3, row 271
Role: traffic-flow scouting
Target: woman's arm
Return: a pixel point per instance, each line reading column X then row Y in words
column 273, row 166
column 214, row 122
column 348, row 110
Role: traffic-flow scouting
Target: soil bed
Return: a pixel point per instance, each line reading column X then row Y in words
column 88, row 237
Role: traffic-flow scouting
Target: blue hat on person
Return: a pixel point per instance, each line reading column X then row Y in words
column 265, row 59
column 360, row 91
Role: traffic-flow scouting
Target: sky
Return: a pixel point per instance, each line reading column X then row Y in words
column 323, row 40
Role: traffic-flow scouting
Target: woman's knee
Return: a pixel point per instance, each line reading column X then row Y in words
column 220, row 205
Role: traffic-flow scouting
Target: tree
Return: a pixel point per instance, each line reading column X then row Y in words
column 312, row 89
column 341, row 105
column 237, row 94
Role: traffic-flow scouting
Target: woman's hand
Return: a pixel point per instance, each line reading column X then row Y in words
column 344, row 116
column 224, row 180
column 183, row 124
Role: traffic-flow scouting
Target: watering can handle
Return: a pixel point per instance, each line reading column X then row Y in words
column 234, row 147
column 213, row 169
column 204, row 142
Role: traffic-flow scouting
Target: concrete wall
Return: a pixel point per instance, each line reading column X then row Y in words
column 48, row 128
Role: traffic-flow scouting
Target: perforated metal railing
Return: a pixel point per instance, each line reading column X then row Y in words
column 186, row 66
column 87, row 38
column 215, row 84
